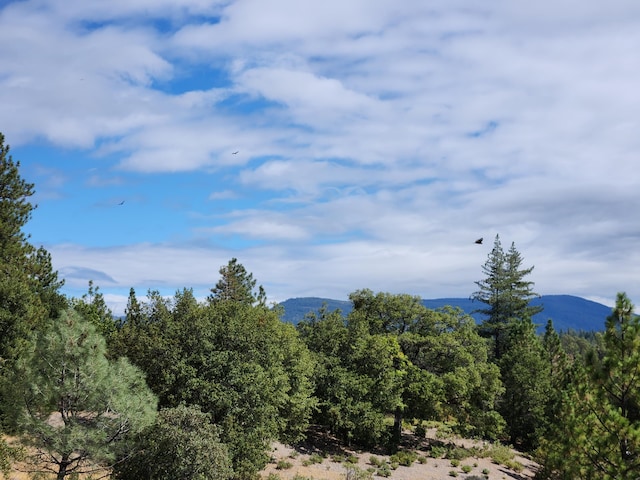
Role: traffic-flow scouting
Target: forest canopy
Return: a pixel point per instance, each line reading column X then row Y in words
column 85, row 390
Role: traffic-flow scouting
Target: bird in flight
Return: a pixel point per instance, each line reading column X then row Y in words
column 479, row 241
column 121, row 203
column 235, row 153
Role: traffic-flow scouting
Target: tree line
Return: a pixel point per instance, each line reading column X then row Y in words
column 182, row 388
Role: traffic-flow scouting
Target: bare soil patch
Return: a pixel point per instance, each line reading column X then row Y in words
column 289, row 462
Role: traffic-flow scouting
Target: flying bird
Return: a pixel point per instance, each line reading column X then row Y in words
column 235, row 153
column 121, row 203
column 479, row 241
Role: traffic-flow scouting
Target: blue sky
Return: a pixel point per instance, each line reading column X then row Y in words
column 376, row 141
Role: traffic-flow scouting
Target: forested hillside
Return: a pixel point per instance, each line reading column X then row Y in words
column 200, row 389
column 567, row 311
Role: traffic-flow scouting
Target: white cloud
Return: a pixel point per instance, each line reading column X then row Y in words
column 376, row 140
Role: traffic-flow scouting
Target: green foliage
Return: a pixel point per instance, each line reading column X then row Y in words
column 93, row 307
column 457, row 453
column 182, row 443
column 526, row 375
column 284, row 465
column 499, row 454
column 355, row 473
column 404, row 457
column 598, row 435
column 29, row 287
column 466, row 468
column 505, row 292
column 392, row 356
column 237, row 361
column 73, row 404
column 236, row 285
column 9, row 454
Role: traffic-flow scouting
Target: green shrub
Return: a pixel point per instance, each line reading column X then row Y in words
column 458, row 453
column 453, row 473
column 467, row 468
column 315, row 458
column 500, row 454
column 394, row 465
column 384, row 471
column 485, row 471
column 404, row 458
column 283, row 465
column 422, row 459
column 373, row 460
column 338, row 458
column 438, row 451
column 352, row 459
column 514, row 465
column 455, row 462
column 355, row 473
column 273, row 476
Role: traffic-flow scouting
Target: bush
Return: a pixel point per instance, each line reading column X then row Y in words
column 313, row 459
column 438, row 451
column 384, row 471
column 453, row 473
column 455, row 462
column 373, row 460
column 458, row 453
column 499, row 454
column 404, row 458
column 182, row 443
column 283, row 465
column 352, row 459
column 355, row 473
column 466, row 468
column 514, row 465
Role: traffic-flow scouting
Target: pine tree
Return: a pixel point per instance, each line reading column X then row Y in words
column 598, row 435
column 506, row 293
column 526, row 377
column 75, row 406
column 28, row 284
column 236, row 285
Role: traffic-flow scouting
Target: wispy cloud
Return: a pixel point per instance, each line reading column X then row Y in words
column 375, row 140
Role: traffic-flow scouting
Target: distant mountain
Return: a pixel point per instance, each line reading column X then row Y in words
column 566, row 311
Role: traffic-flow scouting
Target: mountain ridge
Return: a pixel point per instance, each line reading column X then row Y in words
column 568, row 312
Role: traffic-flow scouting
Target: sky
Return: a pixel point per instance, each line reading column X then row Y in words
column 328, row 146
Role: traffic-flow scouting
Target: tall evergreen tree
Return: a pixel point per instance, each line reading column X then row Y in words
column 28, row 284
column 74, row 405
column 236, row 285
column 598, row 433
column 526, row 377
column 505, row 292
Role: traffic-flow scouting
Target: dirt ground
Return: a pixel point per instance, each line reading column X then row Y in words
column 331, row 468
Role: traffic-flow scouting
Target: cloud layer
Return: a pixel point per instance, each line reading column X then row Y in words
column 375, row 141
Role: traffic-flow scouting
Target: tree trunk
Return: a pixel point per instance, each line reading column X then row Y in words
column 397, row 426
column 62, row 467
